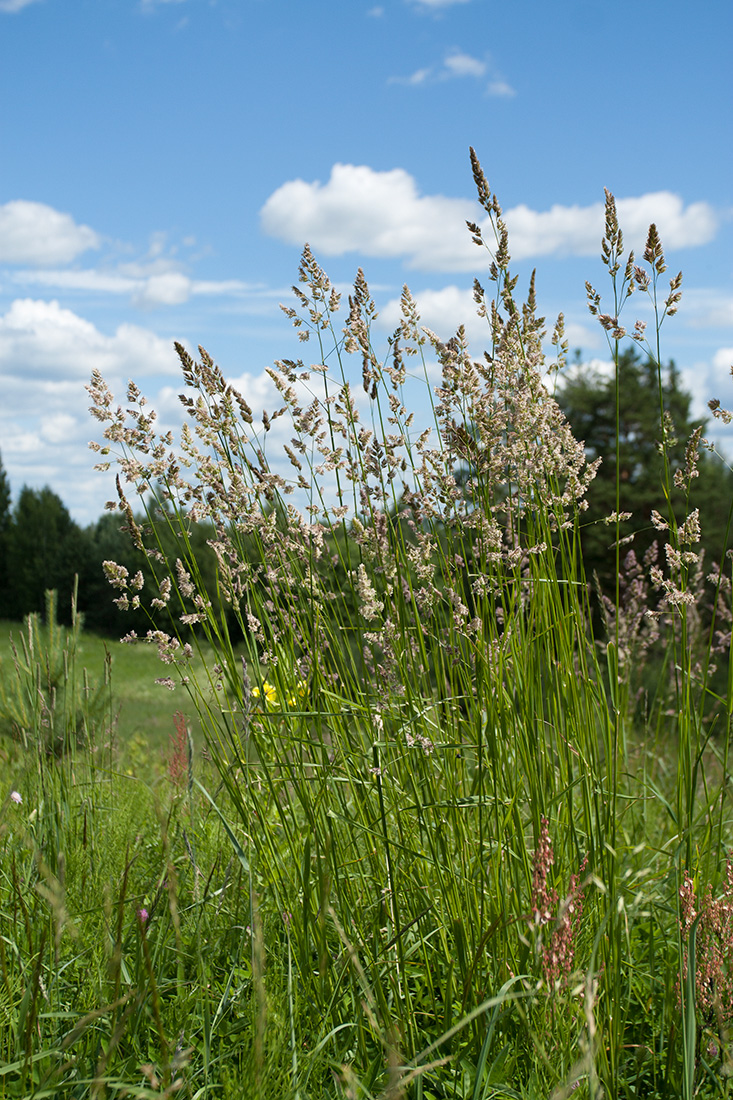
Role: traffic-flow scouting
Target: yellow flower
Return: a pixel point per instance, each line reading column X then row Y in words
column 269, row 692
column 301, row 689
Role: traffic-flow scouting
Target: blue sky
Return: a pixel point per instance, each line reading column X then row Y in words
column 162, row 163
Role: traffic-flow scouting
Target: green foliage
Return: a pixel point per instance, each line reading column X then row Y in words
column 45, row 550
column 109, row 540
column 49, row 702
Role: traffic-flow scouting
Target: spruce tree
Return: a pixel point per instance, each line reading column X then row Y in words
column 45, row 550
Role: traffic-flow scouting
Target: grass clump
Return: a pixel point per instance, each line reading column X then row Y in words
column 466, row 858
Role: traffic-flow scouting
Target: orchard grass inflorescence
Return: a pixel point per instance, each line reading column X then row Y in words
column 468, row 857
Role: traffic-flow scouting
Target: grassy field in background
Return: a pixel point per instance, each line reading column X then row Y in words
column 142, row 710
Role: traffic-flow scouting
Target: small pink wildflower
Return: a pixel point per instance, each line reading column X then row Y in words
column 142, row 916
column 15, row 796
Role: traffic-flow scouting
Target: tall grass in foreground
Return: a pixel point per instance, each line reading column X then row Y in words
column 472, row 862
column 108, row 888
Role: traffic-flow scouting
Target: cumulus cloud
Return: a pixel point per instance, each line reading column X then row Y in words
column 45, row 429
column 384, row 214
column 707, row 379
column 33, row 233
column 47, row 354
column 376, row 213
column 577, row 230
column 42, row 340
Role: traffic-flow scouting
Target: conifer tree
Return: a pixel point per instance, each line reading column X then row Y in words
column 46, row 549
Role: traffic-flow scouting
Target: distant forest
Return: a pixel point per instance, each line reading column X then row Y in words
column 41, row 547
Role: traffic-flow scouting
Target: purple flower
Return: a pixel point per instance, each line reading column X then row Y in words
column 142, row 915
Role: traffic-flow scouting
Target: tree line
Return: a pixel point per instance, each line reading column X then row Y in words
column 42, row 547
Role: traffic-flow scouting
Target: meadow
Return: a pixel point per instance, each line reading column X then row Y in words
column 429, row 831
column 139, row 716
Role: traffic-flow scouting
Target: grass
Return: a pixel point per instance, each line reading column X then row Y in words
column 140, row 710
column 439, row 845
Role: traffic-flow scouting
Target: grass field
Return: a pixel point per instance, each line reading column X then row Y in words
column 433, row 837
column 142, row 711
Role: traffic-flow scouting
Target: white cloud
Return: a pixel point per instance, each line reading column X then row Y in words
column 45, row 430
column 376, row 12
column 577, row 230
column 14, row 5
column 420, row 76
column 462, row 64
column 46, row 357
column 456, row 65
column 41, row 340
column 98, row 281
column 712, row 379
column 58, row 427
column 33, row 233
column 383, row 214
column 723, row 366
column 723, row 357
column 164, row 288
column 443, row 311
column 581, row 336
column 170, row 289
column 377, row 213
column 500, row 89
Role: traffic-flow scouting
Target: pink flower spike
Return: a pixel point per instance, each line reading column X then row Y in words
column 142, row 915
column 15, row 796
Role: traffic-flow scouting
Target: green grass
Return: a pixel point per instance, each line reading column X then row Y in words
column 141, row 710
